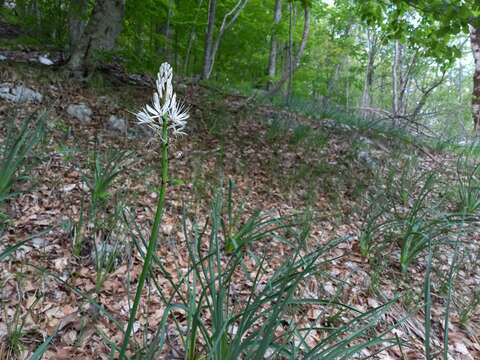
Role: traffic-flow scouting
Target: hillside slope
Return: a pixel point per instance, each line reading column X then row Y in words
column 346, row 182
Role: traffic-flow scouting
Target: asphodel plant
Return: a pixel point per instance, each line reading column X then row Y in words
column 167, row 118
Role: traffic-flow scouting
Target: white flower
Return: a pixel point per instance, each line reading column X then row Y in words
column 178, row 115
column 164, row 106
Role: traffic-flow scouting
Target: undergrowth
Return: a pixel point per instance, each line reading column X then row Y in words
column 236, row 298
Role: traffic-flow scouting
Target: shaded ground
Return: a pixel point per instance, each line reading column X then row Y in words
column 276, row 165
column 8, row 30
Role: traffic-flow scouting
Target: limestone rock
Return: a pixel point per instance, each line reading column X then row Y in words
column 116, row 123
column 19, row 93
column 43, row 59
column 365, row 157
column 81, row 112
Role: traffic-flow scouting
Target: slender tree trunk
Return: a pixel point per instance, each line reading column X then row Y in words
column 228, row 20
column 333, row 79
column 296, row 62
column 396, row 81
column 76, row 21
column 207, row 59
column 405, row 81
column 425, row 94
column 369, row 72
column 168, row 33
column 100, row 33
column 347, row 87
column 291, row 25
column 459, row 80
column 272, row 59
column 36, row 13
column 331, row 83
column 192, row 39
column 475, row 43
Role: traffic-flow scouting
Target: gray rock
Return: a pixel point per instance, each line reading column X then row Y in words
column 102, row 252
column 43, row 59
column 366, row 141
column 365, row 157
column 116, row 123
column 140, row 79
column 142, row 131
column 19, row 94
column 81, row 112
column 104, row 100
column 39, row 242
column 332, row 124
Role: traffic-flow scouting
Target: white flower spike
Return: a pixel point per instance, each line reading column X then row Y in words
column 164, row 106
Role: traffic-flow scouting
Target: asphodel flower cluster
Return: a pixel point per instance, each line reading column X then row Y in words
column 164, row 107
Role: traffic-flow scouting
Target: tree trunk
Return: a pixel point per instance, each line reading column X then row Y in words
column 405, row 80
column 291, row 25
column 369, row 72
column 100, row 33
column 76, row 21
column 168, row 33
column 475, row 43
column 207, row 58
column 296, row 62
column 424, row 97
column 396, row 81
column 192, row 39
column 272, row 59
column 228, row 20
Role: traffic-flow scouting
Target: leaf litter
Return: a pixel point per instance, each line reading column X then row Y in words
column 51, row 286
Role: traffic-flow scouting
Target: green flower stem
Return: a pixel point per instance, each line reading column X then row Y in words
column 152, row 242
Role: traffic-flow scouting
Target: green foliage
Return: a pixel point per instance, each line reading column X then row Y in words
column 439, row 22
column 371, row 227
column 104, row 173
column 97, row 231
column 418, row 229
column 10, row 250
column 468, row 309
column 277, row 131
column 332, row 70
column 46, row 19
column 258, row 226
column 468, row 175
column 409, row 216
column 406, row 217
column 18, row 336
column 77, row 231
column 15, row 152
column 154, row 233
column 13, row 345
column 219, row 328
column 40, row 351
column 300, row 133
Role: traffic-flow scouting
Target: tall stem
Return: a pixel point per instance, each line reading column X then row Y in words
column 152, row 242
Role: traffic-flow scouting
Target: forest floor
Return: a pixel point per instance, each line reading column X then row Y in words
column 279, row 162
